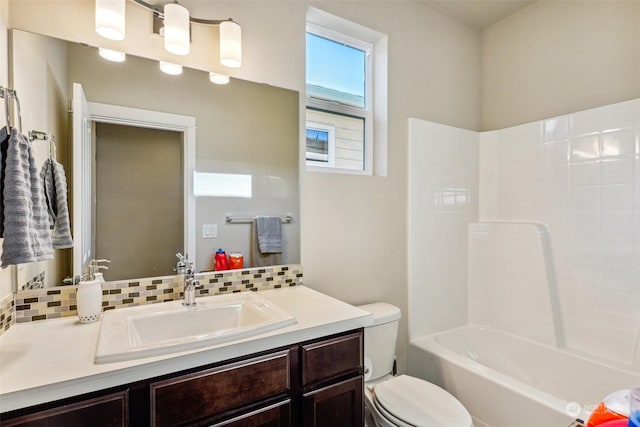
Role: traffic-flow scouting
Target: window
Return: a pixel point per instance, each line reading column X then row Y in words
column 321, row 144
column 339, row 111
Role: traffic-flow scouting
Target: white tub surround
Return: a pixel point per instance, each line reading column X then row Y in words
column 500, row 377
column 45, row 361
column 552, row 255
column 443, row 199
column 579, row 174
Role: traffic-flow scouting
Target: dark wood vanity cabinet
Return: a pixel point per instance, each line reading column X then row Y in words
column 337, row 405
column 109, row 410
column 315, row 383
column 333, row 383
column 208, row 394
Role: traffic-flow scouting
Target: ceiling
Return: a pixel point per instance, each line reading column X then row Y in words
column 479, row 13
column 476, row 13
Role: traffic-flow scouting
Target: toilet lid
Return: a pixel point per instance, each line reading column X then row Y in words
column 420, row 403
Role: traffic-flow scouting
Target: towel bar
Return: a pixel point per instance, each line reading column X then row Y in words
column 287, row 219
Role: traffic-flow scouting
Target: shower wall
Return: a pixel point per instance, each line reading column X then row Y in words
column 579, row 174
column 443, row 199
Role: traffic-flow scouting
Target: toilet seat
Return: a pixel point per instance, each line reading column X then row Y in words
column 409, row 401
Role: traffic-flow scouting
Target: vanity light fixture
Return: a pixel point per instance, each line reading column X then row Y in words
column 173, row 21
column 112, row 55
column 176, row 29
column 110, row 19
column 230, row 44
column 219, row 79
column 169, row 68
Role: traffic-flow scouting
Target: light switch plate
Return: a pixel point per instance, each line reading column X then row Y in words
column 209, row 231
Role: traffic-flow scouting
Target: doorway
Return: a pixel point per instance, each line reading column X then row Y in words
column 139, row 211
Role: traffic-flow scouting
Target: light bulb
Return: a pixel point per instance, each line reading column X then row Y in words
column 110, row 19
column 219, row 79
column 176, row 29
column 112, row 55
column 230, row 44
column 169, row 68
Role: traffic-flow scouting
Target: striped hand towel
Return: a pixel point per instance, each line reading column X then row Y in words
column 55, row 191
column 26, row 223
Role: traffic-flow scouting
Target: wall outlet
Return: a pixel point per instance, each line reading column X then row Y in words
column 209, row 231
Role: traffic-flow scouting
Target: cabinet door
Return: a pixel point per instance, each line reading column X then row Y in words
column 107, row 411
column 338, row 405
column 207, row 394
column 332, row 358
column 278, row 415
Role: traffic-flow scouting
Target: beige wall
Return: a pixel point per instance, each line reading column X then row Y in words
column 41, row 83
column 139, row 201
column 354, row 233
column 556, row 57
column 354, row 236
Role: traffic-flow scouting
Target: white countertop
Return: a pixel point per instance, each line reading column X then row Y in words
column 53, row 359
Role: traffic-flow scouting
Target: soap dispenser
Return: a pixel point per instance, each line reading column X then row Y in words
column 89, row 294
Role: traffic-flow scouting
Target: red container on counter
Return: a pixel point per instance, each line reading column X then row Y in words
column 221, row 262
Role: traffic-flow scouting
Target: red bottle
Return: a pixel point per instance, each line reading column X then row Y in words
column 221, row 260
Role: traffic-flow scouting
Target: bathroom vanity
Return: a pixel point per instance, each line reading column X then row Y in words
column 306, row 374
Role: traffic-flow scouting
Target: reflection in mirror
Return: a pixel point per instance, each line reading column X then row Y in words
column 242, row 128
column 128, row 187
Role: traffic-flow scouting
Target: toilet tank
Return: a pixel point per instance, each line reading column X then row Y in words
column 380, row 339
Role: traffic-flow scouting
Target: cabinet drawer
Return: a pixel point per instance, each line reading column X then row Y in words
column 192, row 397
column 110, row 410
column 278, row 415
column 331, row 358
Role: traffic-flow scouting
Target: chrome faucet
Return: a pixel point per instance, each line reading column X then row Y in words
column 185, row 268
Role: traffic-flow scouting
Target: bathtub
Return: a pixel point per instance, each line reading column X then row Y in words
column 508, row 381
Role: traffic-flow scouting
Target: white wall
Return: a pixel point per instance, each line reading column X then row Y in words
column 443, row 199
column 511, row 283
column 580, row 175
column 557, row 57
column 354, row 233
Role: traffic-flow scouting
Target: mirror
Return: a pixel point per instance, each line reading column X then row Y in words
column 242, row 128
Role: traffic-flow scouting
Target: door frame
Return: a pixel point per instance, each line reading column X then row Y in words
column 127, row 116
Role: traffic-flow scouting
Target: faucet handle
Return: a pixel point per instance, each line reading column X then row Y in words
column 94, row 267
column 182, row 264
column 98, row 267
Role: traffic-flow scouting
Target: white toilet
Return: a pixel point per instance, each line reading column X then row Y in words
column 401, row 400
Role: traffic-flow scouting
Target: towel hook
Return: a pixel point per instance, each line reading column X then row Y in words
column 15, row 96
column 52, row 147
column 5, row 95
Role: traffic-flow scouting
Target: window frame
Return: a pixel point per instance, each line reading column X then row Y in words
column 331, row 144
column 336, row 107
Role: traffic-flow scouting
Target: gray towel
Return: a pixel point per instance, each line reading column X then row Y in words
column 258, row 258
column 26, row 223
column 4, row 143
column 55, row 191
column 269, row 231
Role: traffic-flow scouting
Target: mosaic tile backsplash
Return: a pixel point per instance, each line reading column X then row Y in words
column 53, row 303
column 36, row 282
column 7, row 317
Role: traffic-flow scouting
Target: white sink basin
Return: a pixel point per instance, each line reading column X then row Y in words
column 151, row 330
